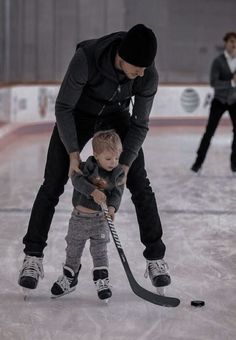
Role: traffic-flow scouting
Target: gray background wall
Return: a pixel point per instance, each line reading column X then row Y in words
column 38, row 37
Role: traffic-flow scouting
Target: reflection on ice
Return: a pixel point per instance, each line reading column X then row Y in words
column 198, row 217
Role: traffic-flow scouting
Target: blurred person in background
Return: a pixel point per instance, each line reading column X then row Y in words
column 96, row 93
column 223, row 80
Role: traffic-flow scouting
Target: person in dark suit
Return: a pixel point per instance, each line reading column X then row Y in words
column 223, row 80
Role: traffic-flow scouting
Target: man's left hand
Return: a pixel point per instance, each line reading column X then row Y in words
column 74, row 163
column 126, row 170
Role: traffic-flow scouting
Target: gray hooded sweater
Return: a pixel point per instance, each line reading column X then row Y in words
column 94, row 177
column 91, row 86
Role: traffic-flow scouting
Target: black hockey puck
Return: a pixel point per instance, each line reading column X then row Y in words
column 197, row 303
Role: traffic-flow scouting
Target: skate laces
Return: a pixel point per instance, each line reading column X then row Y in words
column 102, row 284
column 64, row 282
column 155, row 268
column 32, row 267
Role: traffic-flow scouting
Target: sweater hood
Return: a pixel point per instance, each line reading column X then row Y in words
column 104, row 50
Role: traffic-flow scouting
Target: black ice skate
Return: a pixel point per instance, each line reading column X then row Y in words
column 233, row 167
column 65, row 283
column 196, row 167
column 101, row 280
column 157, row 270
column 30, row 272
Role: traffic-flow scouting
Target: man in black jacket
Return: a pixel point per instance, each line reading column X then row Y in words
column 223, row 80
column 96, row 93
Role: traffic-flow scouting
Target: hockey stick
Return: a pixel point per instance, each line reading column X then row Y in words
column 136, row 288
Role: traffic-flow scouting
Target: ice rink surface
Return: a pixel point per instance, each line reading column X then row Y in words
column 198, row 214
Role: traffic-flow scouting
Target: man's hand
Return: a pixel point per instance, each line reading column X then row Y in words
column 74, row 162
column 234, row 78
column 126, row 170
column 98, row 196
column 111, row 211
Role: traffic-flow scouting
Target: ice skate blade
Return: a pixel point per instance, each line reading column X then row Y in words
column 105, row 301
column 58, row 296
column 198, row 173
column 160, row 290
column 27, row 292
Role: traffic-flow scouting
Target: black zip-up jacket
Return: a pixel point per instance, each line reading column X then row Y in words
column 91, row 86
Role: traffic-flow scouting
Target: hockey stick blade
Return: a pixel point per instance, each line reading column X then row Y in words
column 156, row 299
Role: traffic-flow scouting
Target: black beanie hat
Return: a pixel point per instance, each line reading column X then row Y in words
column 139, row 46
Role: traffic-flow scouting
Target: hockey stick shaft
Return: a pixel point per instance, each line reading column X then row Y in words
column 136, row 288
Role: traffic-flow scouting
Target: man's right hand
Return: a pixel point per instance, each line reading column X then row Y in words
column 234, row 78
column 74, row 163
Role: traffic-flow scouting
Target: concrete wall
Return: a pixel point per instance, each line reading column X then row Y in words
column 41, row 35
column 38, row 37
column 189, row 33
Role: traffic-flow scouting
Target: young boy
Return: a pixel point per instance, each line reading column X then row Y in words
column 97, row 183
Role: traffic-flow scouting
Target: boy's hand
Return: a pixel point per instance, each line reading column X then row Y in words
column 74, row 163
column 98, row 196
column 111, row 211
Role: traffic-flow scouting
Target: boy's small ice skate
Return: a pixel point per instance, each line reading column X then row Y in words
column 31, row 271
column 65, row 283
column 101, row 280
column 157, row 270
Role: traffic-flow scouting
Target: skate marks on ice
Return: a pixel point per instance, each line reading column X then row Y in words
column 200, row 253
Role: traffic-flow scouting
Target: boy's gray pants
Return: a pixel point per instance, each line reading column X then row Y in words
column 83, row 226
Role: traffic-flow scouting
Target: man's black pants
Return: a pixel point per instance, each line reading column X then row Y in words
column 56, row 176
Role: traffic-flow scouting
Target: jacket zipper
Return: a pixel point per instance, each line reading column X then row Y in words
column 110, row 99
